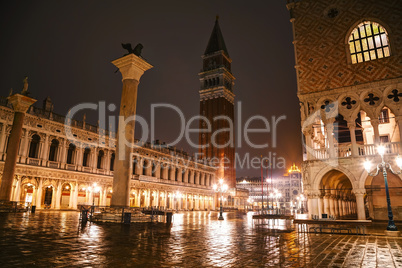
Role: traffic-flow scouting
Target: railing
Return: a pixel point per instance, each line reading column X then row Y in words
column 371, row 149
column 70, row 167
column 87, row 169
column 34, row 162
column 321, row 153
column 343, row 151
column 53, row 164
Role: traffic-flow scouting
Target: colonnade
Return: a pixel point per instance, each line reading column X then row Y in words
column 168, row 199
column 337, row 205
column 60, row 194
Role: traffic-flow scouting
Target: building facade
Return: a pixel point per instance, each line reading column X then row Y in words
column 283, row 192
column 349, row 76
column 54, row 171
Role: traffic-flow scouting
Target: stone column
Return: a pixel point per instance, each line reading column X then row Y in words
column 20, row 103
column 331, row 205
column 63, row 153
column 330, row 130
column 340, row 208
column 192, row 176
column 309, row 143
column 17, row 191
column 71, row 198
column 58, row 195
column 138, row 200
column 399, row 122
column 313, row 202
column 39, row 194
column 336, row 210
column 345, row 211
column 3, row 136
column 132, row 68
column 104, row 196
column 45, row 151
column 352, row 130
column 24, row 146
column 320, row 206
column 326, row 204
column 75, row 199
column 179, row 174
column 361, row 213
column 375, row 123
column 138, row 166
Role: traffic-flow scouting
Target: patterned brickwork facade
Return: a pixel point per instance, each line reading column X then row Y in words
column 321, row 32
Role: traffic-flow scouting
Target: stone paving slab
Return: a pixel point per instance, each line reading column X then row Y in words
column 195, row 239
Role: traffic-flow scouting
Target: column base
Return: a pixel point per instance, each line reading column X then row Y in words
column 392, row 233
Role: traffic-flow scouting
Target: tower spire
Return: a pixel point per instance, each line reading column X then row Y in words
column 216, row 42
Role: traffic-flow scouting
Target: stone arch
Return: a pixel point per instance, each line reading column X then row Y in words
column 317, row 180
column 376, row 202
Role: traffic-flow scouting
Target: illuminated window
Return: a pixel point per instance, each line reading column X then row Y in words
column 368, row 41
column 384, row 116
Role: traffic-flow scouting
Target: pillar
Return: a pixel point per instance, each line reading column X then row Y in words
column 352, row 130
column 3, row 136
column 374, row 123
column 75, row 200
column 25, row 144
column 309, row 143
column 326, row 204
column 45, row 151
column 340, row 208
column 320, row 205
column 58, row 195
column 361, row 213
column 132, row 68
column 312, row 199
column 330, row 130
column 17, row 192
column 20, row 103
column 39, row 194
column 71, row 199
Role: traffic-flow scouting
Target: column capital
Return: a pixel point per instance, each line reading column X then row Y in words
column 374, row 121
column 359, row 191
column 20, row 102
column 131, row 66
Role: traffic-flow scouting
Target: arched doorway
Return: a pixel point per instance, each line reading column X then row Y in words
column 337, row 199
column 65, row 199
column 376, row 200
column 48, row 196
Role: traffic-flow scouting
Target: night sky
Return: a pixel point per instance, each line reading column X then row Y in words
column 65, row 48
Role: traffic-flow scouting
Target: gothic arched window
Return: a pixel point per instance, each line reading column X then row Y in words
column 34, row 148
column 100, row 159
column 85, row 158
column 53, row 150
column 368, row 41
column 70, row 153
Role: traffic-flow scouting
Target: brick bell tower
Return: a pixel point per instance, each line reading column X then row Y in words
column 217, row 106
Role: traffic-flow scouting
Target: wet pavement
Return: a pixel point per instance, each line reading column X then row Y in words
column 195, row 239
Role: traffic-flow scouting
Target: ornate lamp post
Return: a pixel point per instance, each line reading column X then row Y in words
column 221, row 187
column 384, row 166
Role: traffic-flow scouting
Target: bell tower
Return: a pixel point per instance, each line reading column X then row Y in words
column 217, row 107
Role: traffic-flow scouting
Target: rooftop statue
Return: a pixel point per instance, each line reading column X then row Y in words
column 25, row 87
column 136, row 51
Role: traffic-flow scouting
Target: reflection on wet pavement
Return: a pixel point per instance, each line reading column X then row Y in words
column 195, row 239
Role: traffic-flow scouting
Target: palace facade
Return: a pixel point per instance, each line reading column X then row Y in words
column 349, row 74
column 56, row 172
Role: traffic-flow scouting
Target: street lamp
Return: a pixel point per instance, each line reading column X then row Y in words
column 221, row 187
column 384, row 166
